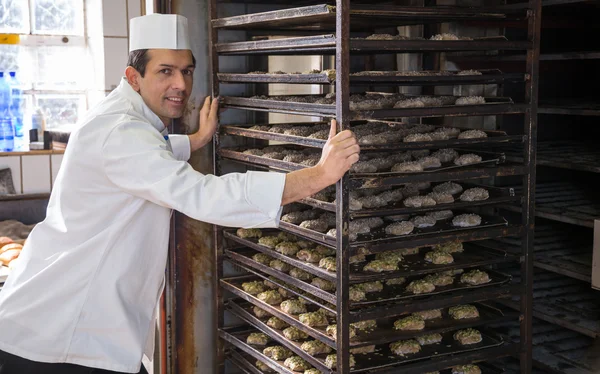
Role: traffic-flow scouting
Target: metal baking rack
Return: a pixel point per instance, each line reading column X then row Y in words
column 341, row 31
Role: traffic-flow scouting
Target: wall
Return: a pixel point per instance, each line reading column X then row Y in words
column 32, row 172
column 115, row 18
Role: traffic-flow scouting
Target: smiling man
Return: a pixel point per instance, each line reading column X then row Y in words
column 82, row 297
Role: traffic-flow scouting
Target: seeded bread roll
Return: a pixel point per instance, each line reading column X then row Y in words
column 441, row 198
column 419, row 201
column 423, row 221
column 441, row 215
column 429, row 162
column 420, row 286
column 467, row 159
column 448, row 187
column 475, row 194
column 470, row 100
column 400, row 228
column 466, row 220
column 446, row 155
column 472, row 134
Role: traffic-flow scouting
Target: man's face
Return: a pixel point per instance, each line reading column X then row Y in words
column 167, row 83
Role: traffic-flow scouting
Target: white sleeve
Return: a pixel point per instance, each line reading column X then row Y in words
column 181, row 146
column 136, row 160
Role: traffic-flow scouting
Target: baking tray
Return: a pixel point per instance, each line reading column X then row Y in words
column 493, row 106
column 326, row 44
column 379, row 235
column 363, row 17
column 392, row 294
column 488, row 76
column 488, row 158
column 473, row 256
column 376, row 312
column 384, row 332
column 243, row 362
column 382, row 358
column 494, row 137
column 466, row 173
column 498, row 195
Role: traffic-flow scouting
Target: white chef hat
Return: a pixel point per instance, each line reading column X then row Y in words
column 159, row 31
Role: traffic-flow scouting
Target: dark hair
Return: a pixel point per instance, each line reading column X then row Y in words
column 138, row 60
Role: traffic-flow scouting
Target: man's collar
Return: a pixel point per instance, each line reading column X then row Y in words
column 139, row 105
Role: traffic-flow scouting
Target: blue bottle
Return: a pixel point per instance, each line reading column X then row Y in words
column 17, row 104
column 7, row 129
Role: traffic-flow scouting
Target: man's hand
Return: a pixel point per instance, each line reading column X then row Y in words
column 340, row 152
column 208, row 123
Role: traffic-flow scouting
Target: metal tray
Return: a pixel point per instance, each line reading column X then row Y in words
column 243, row 362
column 326, row 44
column 467, row 173
column 384, row 332
column 364, row 17
column 389, row 293
column 488, row 76
column 493, row 106
column 473, row 256
column 498, row 195
column 379, row 235
column 374, row 312
column 488, row 158
column 494, row 137
column 383, row 357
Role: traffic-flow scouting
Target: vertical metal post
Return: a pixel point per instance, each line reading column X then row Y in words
column 342, row 85
column 218, row 263
column 528, row 208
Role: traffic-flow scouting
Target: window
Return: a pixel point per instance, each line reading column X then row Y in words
column 52, row 60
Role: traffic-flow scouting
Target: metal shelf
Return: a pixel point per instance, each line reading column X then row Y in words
column 557, row 248
column 492, row 76
column 563, row 301
column 565, row 202
column 376, row 312
column 556, row 349
column 493, row 106
column 574, row 107
column 412, row 265
column 564, row 154
column 494, row 138
column 369, row 362
column 322, row 17
column 325, row 44
column 384, row 332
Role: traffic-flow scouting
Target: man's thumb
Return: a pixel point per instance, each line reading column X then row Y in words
column 333, row 129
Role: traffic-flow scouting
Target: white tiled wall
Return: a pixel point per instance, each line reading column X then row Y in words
column 115, row 61
column 32, row 173
column 116, row 16
column 36, row 174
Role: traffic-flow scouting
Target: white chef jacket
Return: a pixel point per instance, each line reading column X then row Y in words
column 91, row 273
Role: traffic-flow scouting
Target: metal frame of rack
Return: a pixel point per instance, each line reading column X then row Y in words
column 342, row 45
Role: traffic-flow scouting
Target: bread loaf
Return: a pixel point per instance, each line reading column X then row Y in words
column 7, row 256
column 4, row 240
column 10, row 246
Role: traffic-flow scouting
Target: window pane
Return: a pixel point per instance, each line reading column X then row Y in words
column 61, row 110
column 18, row 59
column 62, row 68
column 57, row 17
column 14, row 16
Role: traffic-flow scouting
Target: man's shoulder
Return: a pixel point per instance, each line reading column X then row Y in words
column 110, row 113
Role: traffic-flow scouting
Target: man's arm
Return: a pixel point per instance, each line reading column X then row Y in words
column 339, row 153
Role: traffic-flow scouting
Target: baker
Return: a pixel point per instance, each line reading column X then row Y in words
column 83, row 295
